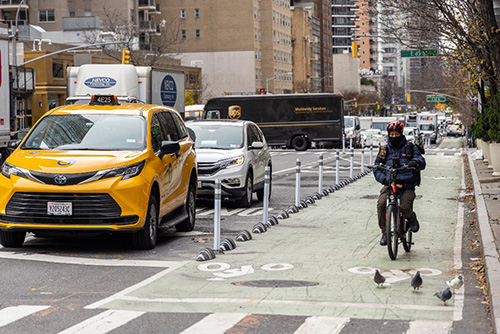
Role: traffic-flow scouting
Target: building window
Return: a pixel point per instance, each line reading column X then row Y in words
column 71, row 14
column 46, row 15
column 57, row 70
column 87, row 12
column 197, row 13
column 183, row 34
column 197, row 34
column 183, row 13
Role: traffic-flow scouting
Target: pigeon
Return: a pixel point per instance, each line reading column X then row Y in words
column 378, row 278
column 416, row 281
column 444, row 295
column 456, row 283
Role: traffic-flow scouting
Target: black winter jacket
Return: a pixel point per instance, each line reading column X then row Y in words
column 406, row 177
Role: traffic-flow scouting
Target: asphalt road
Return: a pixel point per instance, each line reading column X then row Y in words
column 103, row 286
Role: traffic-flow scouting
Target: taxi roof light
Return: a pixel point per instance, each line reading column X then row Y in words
column 104, row 100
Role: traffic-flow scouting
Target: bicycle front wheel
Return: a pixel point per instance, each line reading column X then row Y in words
column 391, row 224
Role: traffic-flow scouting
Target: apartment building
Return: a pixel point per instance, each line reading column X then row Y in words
column 243, row 47
column 322, row 11
column 71, row 17
column 302, row 42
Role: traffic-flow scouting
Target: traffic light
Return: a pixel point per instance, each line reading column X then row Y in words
column 125, row 56
column 354, row 47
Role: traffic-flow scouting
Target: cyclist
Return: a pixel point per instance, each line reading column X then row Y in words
column 408, row 154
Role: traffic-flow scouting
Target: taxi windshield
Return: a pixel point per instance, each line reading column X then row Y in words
column 88, row 132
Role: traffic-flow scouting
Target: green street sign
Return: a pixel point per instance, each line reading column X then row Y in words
column 419, row 53
column 436, row 99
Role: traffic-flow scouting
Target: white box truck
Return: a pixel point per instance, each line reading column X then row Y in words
column 5, row 97
column 128, row 83
column 428, row 125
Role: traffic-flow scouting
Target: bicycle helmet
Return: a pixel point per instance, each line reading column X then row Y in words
column 395, row 126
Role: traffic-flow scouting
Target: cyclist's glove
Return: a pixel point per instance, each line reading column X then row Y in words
column 413, row 164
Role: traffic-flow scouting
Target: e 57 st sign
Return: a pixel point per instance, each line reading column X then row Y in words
column 418, row 53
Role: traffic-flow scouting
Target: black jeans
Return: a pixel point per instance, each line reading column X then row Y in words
column 407, row 198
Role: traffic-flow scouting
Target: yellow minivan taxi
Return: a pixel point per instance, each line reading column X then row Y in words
column 100, row 168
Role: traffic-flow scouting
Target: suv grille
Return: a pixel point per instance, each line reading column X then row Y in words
column 87, row 209
column 209, row 168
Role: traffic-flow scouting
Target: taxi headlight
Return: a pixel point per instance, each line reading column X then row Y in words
column 233, row 162
column 8, row 170
column 126, row 172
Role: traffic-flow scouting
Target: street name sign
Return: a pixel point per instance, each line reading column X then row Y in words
column 418, row 53
column 436, row 99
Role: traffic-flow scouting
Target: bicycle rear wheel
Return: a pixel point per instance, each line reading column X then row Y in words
column 391, row 224
column 408, row 237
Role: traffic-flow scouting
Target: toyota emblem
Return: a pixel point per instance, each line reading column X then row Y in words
column 60, row 179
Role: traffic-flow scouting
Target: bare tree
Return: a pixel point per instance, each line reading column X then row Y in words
column 465, row 31
column 159, row 49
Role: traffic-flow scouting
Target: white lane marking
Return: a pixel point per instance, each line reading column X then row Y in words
column 87, row 261
column 139, row 285
column 287, row 302
column 103, row 322
column 322, row 325
column 215, row 323
column 14, row 313
column 429, row 327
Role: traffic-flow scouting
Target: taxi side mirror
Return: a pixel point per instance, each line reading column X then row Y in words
column 169, row 147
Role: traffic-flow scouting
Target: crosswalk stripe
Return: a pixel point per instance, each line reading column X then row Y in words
column 14, row 313
column 322, row 325
column 215, row 323
column 429, row 327
column 103, row 322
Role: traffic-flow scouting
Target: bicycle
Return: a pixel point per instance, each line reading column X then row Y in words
column 397, row 228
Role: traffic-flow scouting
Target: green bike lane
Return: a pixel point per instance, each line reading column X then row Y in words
column 329, row 251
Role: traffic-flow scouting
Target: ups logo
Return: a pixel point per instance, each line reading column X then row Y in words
column 234, row 112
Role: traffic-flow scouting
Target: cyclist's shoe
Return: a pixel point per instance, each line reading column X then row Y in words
column 383, row 240
column 414, row 225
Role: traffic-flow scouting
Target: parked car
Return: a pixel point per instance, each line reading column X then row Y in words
column 453, row 132
column 233, row 151
column 100, row 168
column 374, row 137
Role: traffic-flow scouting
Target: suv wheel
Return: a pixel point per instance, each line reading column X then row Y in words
column 246, row 200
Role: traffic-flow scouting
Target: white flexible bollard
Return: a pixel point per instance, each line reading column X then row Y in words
column 217, row 204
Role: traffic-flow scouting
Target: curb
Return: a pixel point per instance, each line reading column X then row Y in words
column 489, row 251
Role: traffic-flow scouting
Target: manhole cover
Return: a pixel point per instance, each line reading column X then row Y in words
column 275, row 283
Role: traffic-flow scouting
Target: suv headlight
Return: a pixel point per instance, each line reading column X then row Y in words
column 233, row 162
column 126, row 172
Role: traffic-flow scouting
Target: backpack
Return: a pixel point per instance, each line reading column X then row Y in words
column 409, row 153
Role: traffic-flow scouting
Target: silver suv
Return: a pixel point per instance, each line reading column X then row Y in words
column 233, row 151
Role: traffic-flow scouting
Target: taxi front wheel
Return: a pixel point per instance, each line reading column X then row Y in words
column 12, row 239
column 146, row 238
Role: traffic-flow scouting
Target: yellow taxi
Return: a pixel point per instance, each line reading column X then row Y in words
column 103, row 167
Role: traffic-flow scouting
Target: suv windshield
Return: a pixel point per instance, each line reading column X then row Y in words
column 224, row 136
column 88, row 132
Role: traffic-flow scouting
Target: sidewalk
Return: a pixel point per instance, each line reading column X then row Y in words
column 487, row 195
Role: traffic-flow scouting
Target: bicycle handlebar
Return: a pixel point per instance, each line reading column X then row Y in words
column 391, row 169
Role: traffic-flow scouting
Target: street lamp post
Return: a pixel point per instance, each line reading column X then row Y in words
column 323, row 78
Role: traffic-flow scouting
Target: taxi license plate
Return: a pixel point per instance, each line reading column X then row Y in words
column 59, row 208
